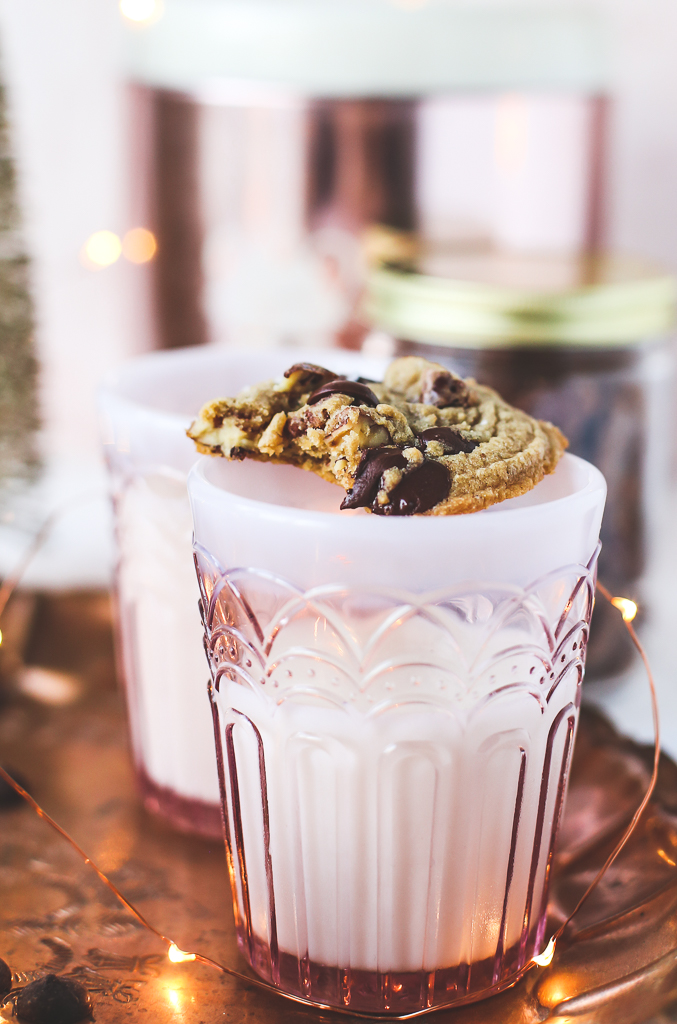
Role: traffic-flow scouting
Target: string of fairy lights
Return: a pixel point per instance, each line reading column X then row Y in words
column 627, row 609
column 139, row 245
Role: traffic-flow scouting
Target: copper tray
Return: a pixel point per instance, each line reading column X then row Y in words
column 619, row 965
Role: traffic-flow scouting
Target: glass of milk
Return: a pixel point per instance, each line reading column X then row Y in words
column 395, row 705
column 145, row 409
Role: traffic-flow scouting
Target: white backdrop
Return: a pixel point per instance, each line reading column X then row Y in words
column 64, row 63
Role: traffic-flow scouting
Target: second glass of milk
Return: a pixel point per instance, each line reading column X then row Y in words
column 146, row 407
column 395, row 705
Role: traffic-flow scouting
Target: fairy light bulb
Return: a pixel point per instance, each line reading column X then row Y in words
column 626, row 607
column 102, row 249
column 178, row 956
column 139, row 245
column 544, row 959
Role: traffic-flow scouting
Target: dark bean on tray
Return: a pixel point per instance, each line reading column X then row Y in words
column 5, row 979
column 53, row 1000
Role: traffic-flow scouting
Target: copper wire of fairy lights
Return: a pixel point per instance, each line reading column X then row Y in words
column 626, row 608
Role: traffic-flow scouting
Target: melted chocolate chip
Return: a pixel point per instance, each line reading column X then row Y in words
column 442, row 389
column 351, row 388
column 372, row 466
column 5, row 979
column 419, row 490
column 312, row 374
column 450, row 439
column 53, row 1000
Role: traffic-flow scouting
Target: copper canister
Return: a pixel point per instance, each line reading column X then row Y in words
column 269, row 136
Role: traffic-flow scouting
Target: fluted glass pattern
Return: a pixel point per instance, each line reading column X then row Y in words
column 393, row 768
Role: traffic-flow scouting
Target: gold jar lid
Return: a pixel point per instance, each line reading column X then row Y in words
column 493, row 300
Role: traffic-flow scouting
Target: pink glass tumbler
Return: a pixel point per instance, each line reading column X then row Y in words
column 146, row 407
column 395, row 703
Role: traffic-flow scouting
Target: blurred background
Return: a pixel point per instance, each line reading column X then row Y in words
column 267, row 172
column 77, row 136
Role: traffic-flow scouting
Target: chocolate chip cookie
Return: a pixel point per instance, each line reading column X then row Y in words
column 421, row 441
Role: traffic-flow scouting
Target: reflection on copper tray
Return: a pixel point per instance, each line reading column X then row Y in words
column 618, row 962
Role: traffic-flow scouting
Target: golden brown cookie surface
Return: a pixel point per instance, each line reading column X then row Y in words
column 422, row 441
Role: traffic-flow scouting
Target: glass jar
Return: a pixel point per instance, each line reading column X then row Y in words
column 582, row 342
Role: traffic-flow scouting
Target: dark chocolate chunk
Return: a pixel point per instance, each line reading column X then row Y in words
column 442, row 389
column 8, row 795
column 450, row 439
column 419, row 490
column 5, row 979
column 236, row 452
column 312, row 374
column 352, row 388
column 372, row 466
column 53, row 1000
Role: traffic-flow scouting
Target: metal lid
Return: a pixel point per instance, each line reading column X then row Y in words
column 371, row 47
column 497, row 301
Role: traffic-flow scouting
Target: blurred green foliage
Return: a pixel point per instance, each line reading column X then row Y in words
column 18, row 367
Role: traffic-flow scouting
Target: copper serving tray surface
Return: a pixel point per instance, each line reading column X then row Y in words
column 619, row 965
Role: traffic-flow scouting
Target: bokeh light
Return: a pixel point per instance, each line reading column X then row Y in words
column 101, row 249
column 140, row 11
column 139, row 245
column 626, row 607
column 544, row 959
column 178, row 956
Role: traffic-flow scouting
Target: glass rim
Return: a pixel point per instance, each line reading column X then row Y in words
column 200, row 485
column 115, row 386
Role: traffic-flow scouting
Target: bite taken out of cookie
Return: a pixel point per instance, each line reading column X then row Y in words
column 420, row 442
